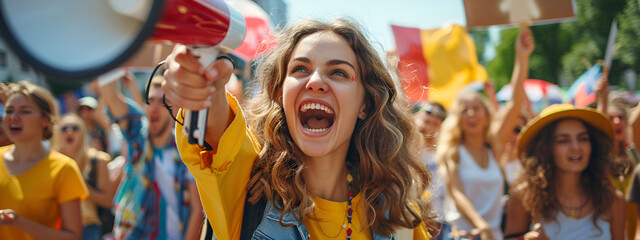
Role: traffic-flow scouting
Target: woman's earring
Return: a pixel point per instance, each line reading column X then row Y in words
column 362, row 115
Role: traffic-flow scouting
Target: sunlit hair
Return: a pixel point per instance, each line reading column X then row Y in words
column 451, row 135
column 84, row 140
column 43, row 99
column 539, row 194
column 624, row 118
column 622, row 163
column 381, row 153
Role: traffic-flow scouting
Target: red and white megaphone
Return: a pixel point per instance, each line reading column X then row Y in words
column 80, row 39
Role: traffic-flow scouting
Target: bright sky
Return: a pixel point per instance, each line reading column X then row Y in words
column 376, row 16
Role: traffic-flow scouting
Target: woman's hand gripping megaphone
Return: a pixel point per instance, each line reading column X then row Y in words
column 194, row 85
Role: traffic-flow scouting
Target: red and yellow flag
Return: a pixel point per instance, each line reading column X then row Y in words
column 435, row 64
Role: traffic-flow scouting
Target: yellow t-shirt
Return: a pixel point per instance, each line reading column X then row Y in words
column 222, row 179
column 330, row 217
column 37, row 193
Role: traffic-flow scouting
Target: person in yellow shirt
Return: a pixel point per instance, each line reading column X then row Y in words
column 41, row 188
column 73, row 142
column 328, row 151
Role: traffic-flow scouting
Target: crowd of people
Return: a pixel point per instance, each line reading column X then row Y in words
column 328, row 148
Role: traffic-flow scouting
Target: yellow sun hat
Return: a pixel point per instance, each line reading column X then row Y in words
column 559, row 111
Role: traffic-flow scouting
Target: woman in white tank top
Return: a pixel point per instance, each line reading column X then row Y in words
column 564, row 191
column 474, row 181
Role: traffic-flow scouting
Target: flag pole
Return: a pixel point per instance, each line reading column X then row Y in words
column 608, row 55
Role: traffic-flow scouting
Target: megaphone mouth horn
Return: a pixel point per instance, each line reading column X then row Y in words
column 66, row 53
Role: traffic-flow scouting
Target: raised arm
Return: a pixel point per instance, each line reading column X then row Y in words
column 508, row 116
column 99, row 116
column 221, row 183
column 129, row 82
column 490, row 89
column 116, row 101
column 188, row 84
column 602, row 93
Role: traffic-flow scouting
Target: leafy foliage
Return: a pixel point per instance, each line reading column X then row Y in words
column 569, row 48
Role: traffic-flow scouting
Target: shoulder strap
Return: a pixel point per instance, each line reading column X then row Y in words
column 93, row 173
column 251, row 217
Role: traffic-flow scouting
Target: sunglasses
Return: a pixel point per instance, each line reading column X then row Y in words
column 73, row 128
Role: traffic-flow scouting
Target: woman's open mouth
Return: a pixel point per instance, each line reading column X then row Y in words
column 15, row 129
column 316, row 117
column 575, row 158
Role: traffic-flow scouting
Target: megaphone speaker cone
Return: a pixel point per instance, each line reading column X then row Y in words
column 73, row 39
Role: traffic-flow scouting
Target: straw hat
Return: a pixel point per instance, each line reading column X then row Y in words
column 560, row 111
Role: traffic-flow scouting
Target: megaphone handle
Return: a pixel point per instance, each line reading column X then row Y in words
column 206, row 56
column 198, row 119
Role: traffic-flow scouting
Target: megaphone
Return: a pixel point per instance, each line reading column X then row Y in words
column 79, row 39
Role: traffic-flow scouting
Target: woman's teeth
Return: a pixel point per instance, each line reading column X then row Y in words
column 315, row 130
column 318, row 106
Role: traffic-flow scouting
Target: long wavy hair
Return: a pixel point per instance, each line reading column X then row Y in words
column 622, row 163
column 84, row 140
column 381, row 153
column 539, row 194
column 451, row 135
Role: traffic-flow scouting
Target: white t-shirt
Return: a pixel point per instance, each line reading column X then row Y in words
column 484, row 187
column 567, row 228
column 165, row 172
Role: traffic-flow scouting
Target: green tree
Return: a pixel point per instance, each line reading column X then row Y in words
column 480, row 39
column 629, row 47
column 570, row 47
column 500, row 68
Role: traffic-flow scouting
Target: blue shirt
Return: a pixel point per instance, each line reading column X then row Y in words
column 149, row 202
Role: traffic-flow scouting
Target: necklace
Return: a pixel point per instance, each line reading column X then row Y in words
column 574, row 212
column 349, row 211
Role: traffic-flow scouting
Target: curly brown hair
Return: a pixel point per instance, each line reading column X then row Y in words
column 539, row 193
column 381, row 153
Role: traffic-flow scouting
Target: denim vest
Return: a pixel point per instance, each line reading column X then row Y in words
column 271, row 229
